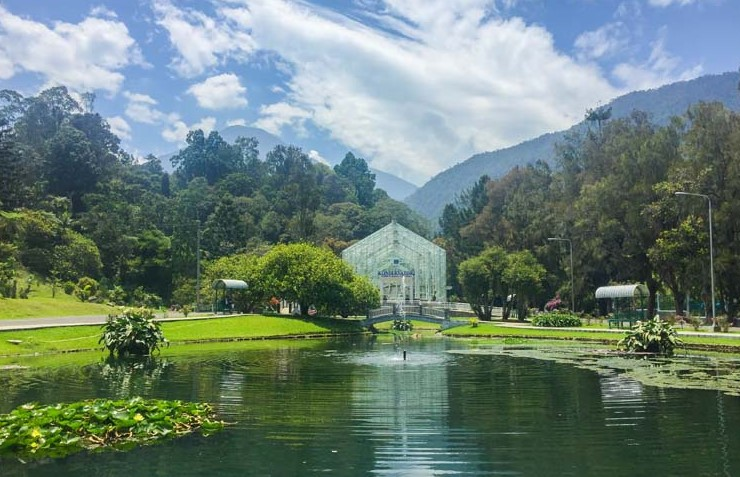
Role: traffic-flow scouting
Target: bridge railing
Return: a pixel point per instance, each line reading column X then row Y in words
column 381, row 311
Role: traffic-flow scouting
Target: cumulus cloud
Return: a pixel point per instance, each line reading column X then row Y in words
column 141, row 108
column 439, row 81
column 119, row 127
column 276, row 116
column 413, row 86
column 84, row 56
column 605, row 41
column 315, row 156
column 201, row 41
column 660, row 68
column 233, row 122
column 219, row 92
column 177, row 130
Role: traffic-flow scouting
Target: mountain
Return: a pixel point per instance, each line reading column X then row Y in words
column 396, row 187
column 661, row 103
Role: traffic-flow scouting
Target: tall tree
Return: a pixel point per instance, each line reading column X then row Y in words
column 358, row 173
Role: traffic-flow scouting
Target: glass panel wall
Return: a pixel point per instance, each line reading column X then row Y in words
column 404, row 265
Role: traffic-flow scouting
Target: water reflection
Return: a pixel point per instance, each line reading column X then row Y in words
column 355, row 408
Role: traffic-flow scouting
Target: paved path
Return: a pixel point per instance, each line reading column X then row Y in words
column 97, row 319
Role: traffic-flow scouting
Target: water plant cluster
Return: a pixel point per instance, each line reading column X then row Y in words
column 33, row 431
column 653, row 335
column 556, row 319
column 134, row 332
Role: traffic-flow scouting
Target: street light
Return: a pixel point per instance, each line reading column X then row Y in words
column 711, row 251
column 572, row 289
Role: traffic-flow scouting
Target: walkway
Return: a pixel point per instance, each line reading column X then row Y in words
column 94, row 320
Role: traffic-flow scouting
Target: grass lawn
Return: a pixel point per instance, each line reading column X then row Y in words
column 57, row 339
column 40, row 303
column 492, row 330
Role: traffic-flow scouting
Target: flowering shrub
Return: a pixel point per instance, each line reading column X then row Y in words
column 556, row 319
column 554, row 304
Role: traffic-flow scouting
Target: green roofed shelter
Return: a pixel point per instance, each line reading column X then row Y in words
column 221, row 287
column 627, row 302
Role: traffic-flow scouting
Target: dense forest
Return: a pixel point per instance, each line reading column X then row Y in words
column 78, row 211
column 612, row 194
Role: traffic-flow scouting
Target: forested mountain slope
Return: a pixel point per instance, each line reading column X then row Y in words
column 661, row 104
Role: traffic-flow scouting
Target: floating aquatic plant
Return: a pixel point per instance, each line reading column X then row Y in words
column 33, row 431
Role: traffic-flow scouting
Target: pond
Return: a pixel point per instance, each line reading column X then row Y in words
column 354, row 407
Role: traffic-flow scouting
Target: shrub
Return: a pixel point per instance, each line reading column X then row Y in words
column 556, row 319
column 651, row 336
column 134, row 332
column 86, row 289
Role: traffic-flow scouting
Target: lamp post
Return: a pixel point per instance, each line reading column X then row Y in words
column 711, row 252
column 572, row 289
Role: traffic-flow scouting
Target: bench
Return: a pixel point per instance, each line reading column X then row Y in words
column 619, row 322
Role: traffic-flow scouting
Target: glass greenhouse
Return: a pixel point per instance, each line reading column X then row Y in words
column 404, row 265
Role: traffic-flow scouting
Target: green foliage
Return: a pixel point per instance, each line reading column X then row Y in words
column 653, row 335
column 556, row 319
column 312, row 275
column 86, row 289
column 58, row 430
column 134, row 332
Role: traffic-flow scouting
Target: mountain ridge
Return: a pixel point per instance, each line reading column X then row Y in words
column 661, row 103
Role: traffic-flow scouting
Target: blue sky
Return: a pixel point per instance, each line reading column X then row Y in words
column 413, row 86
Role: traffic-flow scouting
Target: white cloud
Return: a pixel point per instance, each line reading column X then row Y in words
column 661, row 68
column 605, row 41
column 119, row 127
column 102, row 11
column 668, row 3
column 438, row 82
column 315, row 156
column 276, row 116
column 85, row 56
column 140, row 108
column 201, row 42
column 177, row 130
column 233, row 122
column 425, row 83
column 219, row 92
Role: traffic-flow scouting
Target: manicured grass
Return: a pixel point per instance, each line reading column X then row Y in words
column 386, row 326
column 56, row 339
column 48, row 307
column 492, row 330
column 40, row 303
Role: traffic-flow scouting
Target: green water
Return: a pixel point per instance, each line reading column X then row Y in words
column 356, row 408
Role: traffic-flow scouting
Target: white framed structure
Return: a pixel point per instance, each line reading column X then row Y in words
column 403, row 265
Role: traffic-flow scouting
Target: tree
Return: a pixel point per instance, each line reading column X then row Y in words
column 482, row 282
column 524, row 276
column 308, row 275
column 77, row 257
column 356, row 171
column 245, row 267
column 209, row 157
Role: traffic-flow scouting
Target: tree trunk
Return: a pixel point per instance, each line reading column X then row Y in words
column 652, row 286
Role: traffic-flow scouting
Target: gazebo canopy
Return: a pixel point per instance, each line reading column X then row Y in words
column 630, row 290
column 229, row 284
